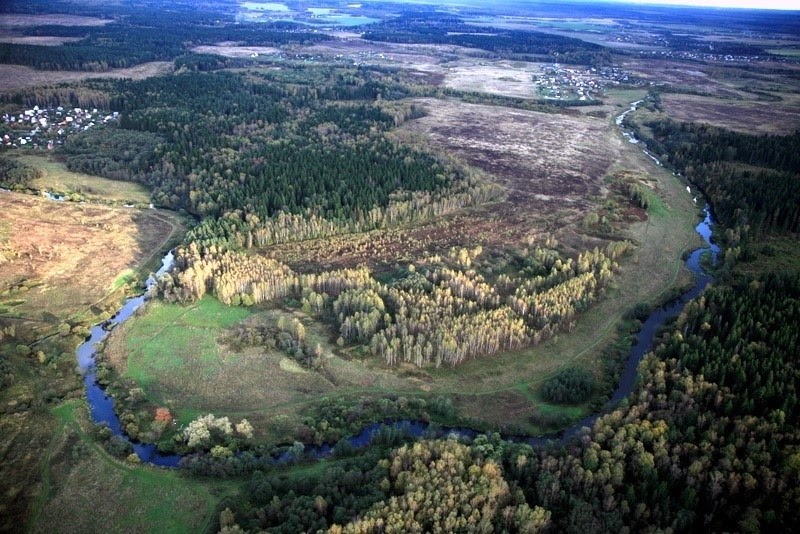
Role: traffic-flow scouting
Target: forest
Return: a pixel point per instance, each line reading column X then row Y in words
column 133, row 36
column 434, row 28
column 441, row 314
column 248, row 154
column 752, row 181
column 707, row 441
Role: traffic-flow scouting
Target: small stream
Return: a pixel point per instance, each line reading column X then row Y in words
column 101, row 405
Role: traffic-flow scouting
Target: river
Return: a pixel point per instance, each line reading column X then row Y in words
column 101, row 405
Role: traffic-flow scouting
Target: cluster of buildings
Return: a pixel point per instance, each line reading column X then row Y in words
column 708, row 56
column 579, row 83
column 48, row 127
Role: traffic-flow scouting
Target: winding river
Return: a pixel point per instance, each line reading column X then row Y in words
column 101, row 405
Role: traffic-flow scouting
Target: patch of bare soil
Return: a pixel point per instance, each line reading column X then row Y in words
column 18, row 76
column 71, row 253
column 426, row 58
column 39, row 40
column 234, row 50
column 746, row 117
column 504, row 78
column 17, row 21
column 544, row 160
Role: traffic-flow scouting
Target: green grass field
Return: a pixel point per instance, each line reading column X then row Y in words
column 85, row 490
column 170, row 338
column 57, row 178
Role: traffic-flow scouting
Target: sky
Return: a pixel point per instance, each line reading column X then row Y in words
column 791, row 5
column 752, row 4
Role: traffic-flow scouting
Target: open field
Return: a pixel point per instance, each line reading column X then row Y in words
column 77, row 476
column 234, row 50
column 28, row 20
column 505, row 78
column 418, row 57
column 38, row 40
column 544, row 161
column 18, row 76
column 180, row 357
column 747, row 117
column 602, row 31
column 57, row 178
column 61, row 260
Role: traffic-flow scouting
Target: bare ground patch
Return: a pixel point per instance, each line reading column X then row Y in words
column 18, row 76
column 422, row 57
column 39, row 40
column 543, row 160
column 70, row 254
column 18, row 21
column 235, row 50
column 746, row 117
column 506, row 78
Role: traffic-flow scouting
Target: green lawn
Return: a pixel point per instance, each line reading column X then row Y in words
column 169, row 336
column 85, row 490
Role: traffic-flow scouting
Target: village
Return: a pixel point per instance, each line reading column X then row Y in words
column 557, row 82
column 46, row 128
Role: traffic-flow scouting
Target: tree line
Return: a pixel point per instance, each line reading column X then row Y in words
column 164, row 32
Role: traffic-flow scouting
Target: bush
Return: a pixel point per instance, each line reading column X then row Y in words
column 570, row 386
column 118, row 446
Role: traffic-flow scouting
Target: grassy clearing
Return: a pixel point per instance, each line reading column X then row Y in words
column 88, row 491
column 125, row 278
column 57, row 178
column 178, row 356
column 165, row 341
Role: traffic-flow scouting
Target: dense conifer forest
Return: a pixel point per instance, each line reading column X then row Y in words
column 250, row 153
